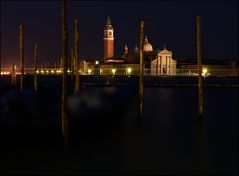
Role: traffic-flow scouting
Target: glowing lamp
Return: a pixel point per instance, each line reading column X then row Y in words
column 113, row 71
column 204, row 71
column 129, row 70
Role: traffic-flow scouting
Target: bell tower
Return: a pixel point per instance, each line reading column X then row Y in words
column 108, row 40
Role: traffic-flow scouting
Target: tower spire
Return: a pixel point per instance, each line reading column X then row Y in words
column 146, row 39
column 136, row 48
column 108, row 22
column 125, row 49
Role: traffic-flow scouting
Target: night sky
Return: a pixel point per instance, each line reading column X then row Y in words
column 172, row 23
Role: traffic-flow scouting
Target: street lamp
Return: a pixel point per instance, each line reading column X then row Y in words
column 113, row 71
column 129, row 70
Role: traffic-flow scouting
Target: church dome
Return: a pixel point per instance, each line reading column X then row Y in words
column 147, row 46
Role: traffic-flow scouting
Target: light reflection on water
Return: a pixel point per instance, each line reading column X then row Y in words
column 167, row 140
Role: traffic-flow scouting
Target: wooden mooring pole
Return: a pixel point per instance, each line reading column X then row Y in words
column 0, row 71
column 76, row 55
column 71, row 66
column 35, row 67
column 64, row 74
column 21, row 55
column 13, row 74
column 141, row 71
column 199, row 61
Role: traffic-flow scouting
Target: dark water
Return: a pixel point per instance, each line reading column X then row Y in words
column 106, row 136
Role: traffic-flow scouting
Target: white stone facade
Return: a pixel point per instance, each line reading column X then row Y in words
column 164, row 64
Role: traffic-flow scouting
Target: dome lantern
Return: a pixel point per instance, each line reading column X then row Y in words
column 147, row 46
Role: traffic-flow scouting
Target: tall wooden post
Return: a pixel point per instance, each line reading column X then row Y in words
column 71, row 66
column 199, row 60
column 64, row 74
column 13, row 74
column 21, row 55
column 35, row 67
column 76, row 55
column 0, row 70
column 141, row 86
column 157, row 71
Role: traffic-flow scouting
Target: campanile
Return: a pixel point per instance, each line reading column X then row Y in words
column 108, row 40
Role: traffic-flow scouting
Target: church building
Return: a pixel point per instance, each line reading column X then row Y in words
column 163, row 64
column 158, row 62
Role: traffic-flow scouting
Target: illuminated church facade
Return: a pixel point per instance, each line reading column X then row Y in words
column 159, row 62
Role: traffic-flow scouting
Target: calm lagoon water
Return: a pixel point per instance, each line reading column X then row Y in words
column 168, row 140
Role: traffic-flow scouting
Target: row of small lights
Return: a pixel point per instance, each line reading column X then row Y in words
column 8, row 73
column 50, row 71
column 38, row 72
column 129, row 70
